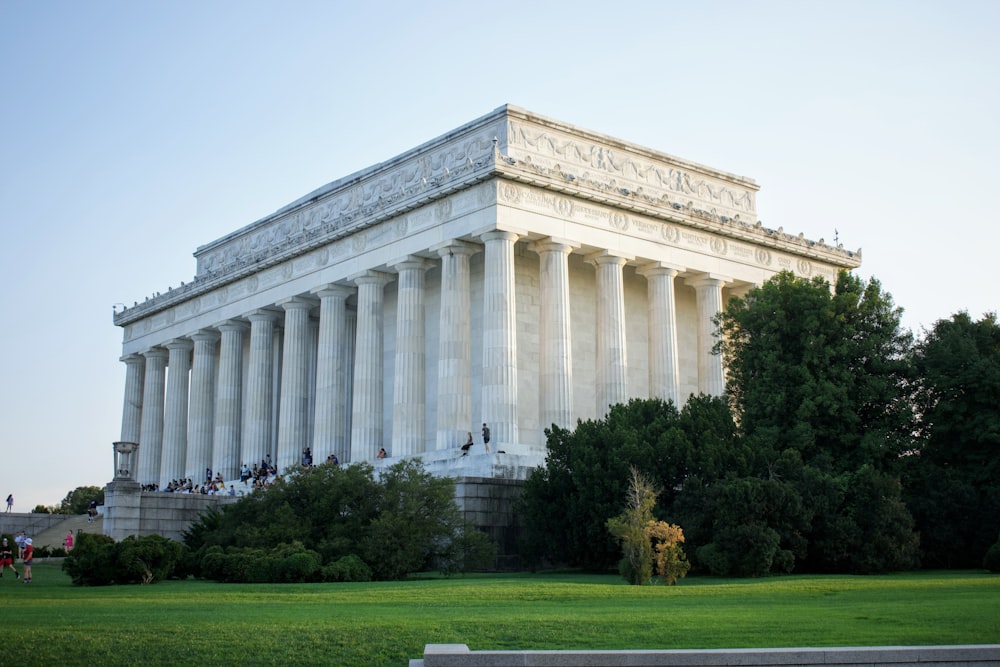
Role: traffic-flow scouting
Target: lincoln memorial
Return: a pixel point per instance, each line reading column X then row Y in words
column 517, row 271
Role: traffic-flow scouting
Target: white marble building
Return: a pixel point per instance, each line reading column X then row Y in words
column 517, row 271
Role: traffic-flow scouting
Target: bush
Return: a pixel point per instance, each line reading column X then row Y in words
column 470, row 550
column 348, row 568
column 146, row 560
column 299, row 567
column 992, row 559
column 97, row 560
column 92, row 561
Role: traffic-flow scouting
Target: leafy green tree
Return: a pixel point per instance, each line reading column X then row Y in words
column 953, row 477
column 78, row 500
column 403, row 521
column 565, row 504
column 821, row 382
column 823, row 373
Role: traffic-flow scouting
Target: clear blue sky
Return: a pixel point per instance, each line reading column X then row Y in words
column 133, row 132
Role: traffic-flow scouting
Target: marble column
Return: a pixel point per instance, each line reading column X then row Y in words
column 175, row 414
column 229, row 400
column 409, row 420
column 556, row 358
column 664, row 364
column 612, row 358
column 258, row 419
column 711, row 370
column 135, row 371
column 151, row 428
column 293, row 410
column 499, row 402
column 454, row 373
column 201, row 420
column 330, row 428
column 367, row 406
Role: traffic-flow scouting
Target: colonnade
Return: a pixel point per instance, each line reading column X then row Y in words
column 203, row 413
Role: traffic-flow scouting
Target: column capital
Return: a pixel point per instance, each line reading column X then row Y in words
column 297, row 303
column 500, row 234
column 455, row 247
column 263, row 315
column 155, row 353
column 372, row 277
column 650, row 269
column 232, row 325
column 133, row 358
column 205, row 335
column 333, row 289
column 707, row 280
column 179, row 344
column 409, row 262
column 602, row 257
column 553, row 244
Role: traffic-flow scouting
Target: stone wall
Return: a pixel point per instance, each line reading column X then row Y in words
column 489, row 504
column 128, row 511
column 459, row 655
column 30, row 523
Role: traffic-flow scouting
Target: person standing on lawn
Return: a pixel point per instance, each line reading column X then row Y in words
column 29, row 557
column 7, row 558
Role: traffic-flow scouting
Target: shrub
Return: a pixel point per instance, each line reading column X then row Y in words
column 146, row 560
column 348, row 568
column 92, row 561
column 300, row 567
column 992, row 559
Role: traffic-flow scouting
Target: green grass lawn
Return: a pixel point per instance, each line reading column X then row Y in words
column 198, row 622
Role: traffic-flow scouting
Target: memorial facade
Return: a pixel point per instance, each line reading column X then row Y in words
column 516, row 272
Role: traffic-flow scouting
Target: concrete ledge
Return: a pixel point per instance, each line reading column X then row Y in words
column 459, row 655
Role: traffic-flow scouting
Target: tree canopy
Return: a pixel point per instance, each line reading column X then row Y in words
column 797, row 468
column 953, row 475
column 346, row 518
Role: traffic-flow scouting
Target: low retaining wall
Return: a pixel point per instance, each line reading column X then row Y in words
column 30, row 523
column 459, row 655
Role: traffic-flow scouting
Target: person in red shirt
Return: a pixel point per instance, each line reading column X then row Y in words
column 7, row 558
column 29, row 556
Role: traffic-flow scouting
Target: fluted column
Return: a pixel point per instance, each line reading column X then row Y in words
column 135, row 370
column 259, row 412
column 664, row 367
column 454, row 381
column 175, row 415
column 293, row 410
column 201, row 420
column 612, row 358
column 366, row 417
column 409, row 421
column 229, row 400
column 151, row 428
column 556, row 362
column 499, row 401
column 330, row 430
column 711, row 371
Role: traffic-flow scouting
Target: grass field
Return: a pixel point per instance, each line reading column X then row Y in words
column 198, row 622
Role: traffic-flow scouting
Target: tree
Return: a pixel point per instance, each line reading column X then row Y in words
column 565, row 504
column 647, row 544
column 401, row 522
column 824, row 373
column 78, row 500
column 952, row 477
column 630, row 529
column 821, row 384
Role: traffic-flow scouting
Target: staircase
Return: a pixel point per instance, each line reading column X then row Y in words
column 53, row 537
